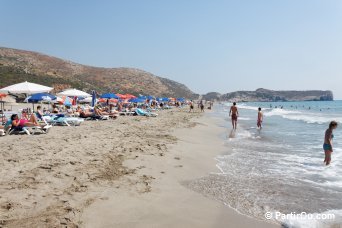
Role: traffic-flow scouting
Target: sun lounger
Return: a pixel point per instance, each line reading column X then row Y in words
column 18, row 130
column 126, row 113
column 141, row 112
column 63, row 120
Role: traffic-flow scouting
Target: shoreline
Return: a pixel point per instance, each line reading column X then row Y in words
column 129, row 172
column 169, row 203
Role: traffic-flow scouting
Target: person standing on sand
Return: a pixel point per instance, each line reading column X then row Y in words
column 327, row 146
column 234, row 114
column 202, row 107
column 260, row 118
column 191, row 106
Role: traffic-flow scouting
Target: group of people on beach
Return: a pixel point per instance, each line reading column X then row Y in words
column 201, row 105
column 328, row 138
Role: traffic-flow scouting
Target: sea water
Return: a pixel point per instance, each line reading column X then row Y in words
column 280, row 168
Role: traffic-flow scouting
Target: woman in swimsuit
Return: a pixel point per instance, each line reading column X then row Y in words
column 20, row 123
column 327, row 146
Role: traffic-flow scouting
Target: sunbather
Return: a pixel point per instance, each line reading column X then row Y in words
column 32, row 122
column 39, row 112
column 100, row 112
column 55, row 109
column 86, row 114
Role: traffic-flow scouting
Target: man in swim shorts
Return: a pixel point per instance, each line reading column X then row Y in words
column 260, row 118
column 234, row 114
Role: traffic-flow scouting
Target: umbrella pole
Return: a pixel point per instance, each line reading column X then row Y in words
column 2, row 116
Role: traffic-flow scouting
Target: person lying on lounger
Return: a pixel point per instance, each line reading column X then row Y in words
column 100, row 112
column 86, row 114
column 20, row 123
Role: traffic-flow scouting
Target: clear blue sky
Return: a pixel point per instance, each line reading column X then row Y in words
column 208, row 45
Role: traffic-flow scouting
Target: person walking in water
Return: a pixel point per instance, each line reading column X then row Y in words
column 234, row 114
column 327, row 146
column 260, row 118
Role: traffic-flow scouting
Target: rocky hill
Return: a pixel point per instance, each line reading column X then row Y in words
column 19, row 65
column 271, row 95
column 211, row 96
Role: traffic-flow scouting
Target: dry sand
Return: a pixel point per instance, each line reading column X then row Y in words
column 128, row 172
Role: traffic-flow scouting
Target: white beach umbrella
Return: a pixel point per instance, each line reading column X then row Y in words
column 74, row 93
column 26, row 88
column 86, row 100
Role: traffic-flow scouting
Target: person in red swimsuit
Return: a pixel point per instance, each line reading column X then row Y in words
column 234, row 113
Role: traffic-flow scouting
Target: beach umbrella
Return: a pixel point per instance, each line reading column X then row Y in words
column 58, row 100
column 86, row 100
column 113, row 101
column 93, row 96
column 109, row 96
column 74, row 93
column 37, row 97
column 26, row 88
column 102, row 100
column 105, row 100
column 74, row 101
column 129, row 96
column 121, row 96
column 65, row 100
column 162, row 99
column 181, row 99
column 136, row 100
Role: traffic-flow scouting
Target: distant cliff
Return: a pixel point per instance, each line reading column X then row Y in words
column 271, row 95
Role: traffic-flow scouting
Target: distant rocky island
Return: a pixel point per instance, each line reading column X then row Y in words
column 266, row 95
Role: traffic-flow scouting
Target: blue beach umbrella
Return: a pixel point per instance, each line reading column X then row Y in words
column 109, row 96
column 37, row 97
column 67, row 101
column 93, row 98
column 181, row 99
column 136, row 100
column 164, row 99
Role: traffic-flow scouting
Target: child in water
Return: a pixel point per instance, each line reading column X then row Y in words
column 327, row 146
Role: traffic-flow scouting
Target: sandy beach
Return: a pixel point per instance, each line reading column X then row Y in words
column 129, row 172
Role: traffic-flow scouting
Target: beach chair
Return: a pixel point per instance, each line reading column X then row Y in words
column 37, row 129
column 66, row 121
column 18, row 130
column 140, row 112
column 126, row 113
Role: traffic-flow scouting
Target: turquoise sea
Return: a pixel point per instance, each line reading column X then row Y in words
column 280, row 168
